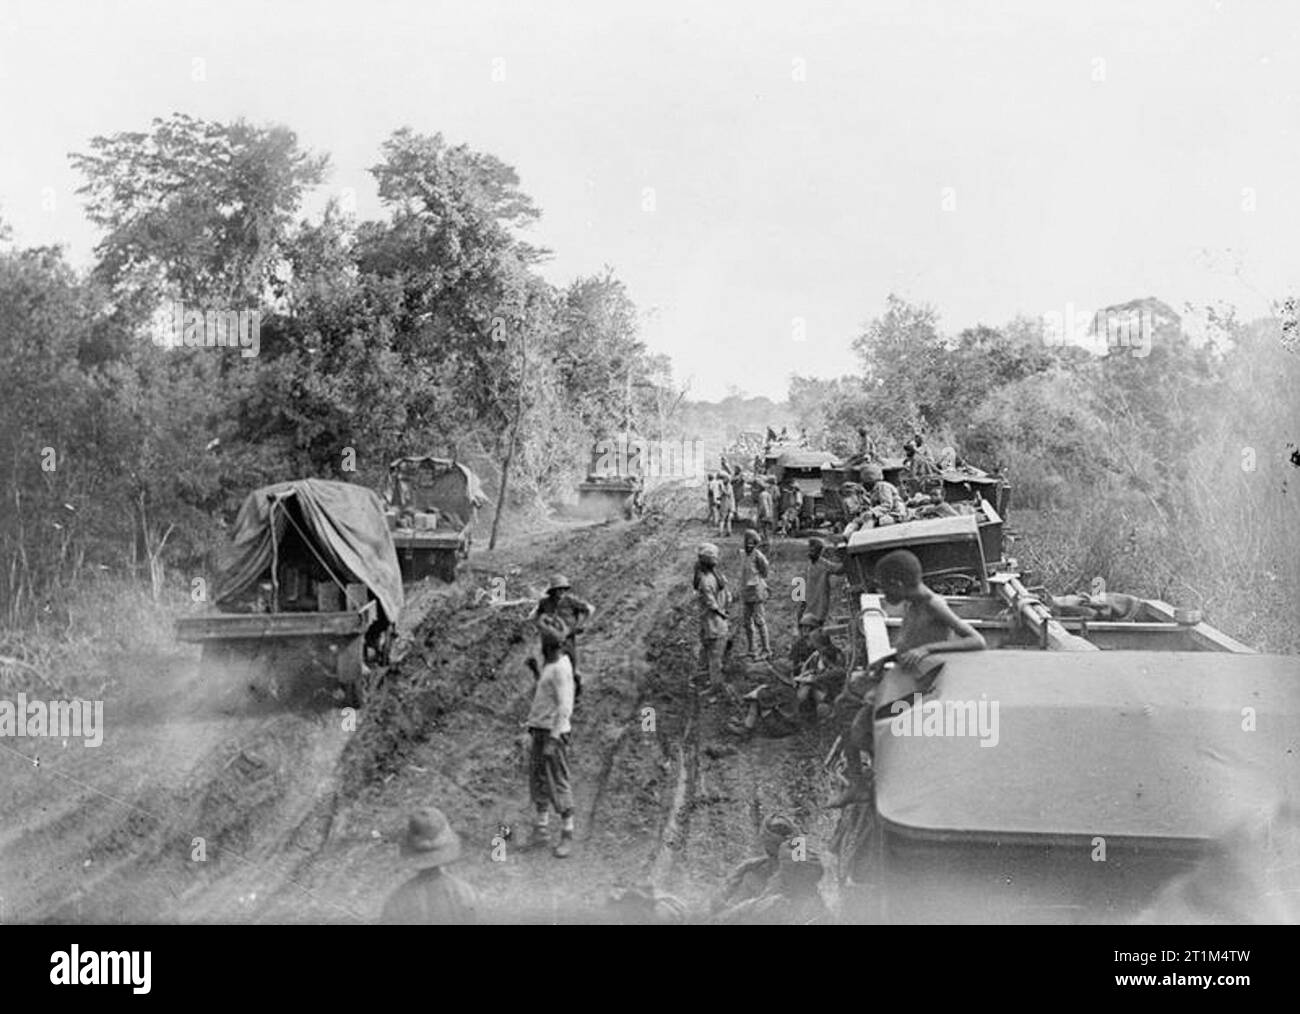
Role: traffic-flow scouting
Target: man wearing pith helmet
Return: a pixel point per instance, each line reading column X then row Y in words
column 560, row 603
column 433, row 897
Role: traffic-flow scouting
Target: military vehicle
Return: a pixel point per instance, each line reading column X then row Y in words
column 845, row 494
column 964, row 485
column 615, row 483
column 309, row 584
column 804, row 469
column 432, row 504
column 1067, row 774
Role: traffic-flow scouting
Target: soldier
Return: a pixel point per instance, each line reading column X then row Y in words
column 726, row 509
column 549, row 728
column 766, row 511
column 791, row 506
column 574, row 612
column 816, row 604
column 747, row 880
column 772, row 708
column 432, row 897
column 885, row 505
column 634, row 505
column 821, row 678
column 790, row 896
column 866, row 446
column 737, row 489
column 753, row 593
column 918, row 465
column 711, row 594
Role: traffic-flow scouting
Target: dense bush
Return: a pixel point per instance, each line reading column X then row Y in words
column 427, row 332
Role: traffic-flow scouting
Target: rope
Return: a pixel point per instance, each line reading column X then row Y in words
column 308, row 542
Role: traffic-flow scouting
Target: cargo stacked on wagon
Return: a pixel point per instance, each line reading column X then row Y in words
column 432, row 505
column 308, row 585
column 1068, row 773
column 968, row 484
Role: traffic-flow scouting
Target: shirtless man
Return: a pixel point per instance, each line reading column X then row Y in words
column 929, row 628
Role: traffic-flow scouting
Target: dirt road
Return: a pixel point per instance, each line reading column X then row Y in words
column 207, row 804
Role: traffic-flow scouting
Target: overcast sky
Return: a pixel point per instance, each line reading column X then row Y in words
column 745, row 165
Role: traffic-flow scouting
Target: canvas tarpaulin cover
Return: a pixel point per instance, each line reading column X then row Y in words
column 344, row 524
column 1129, row 744
column 441, row 484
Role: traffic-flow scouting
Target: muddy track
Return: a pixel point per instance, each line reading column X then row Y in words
column 300, row 815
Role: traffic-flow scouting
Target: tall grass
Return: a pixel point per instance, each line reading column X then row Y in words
column 1232, row 550
column 63, row 648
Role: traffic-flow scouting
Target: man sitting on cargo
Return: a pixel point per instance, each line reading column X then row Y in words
column 885, row 504
column 929, row 628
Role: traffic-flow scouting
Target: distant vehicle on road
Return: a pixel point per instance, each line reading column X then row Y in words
column 432, row 504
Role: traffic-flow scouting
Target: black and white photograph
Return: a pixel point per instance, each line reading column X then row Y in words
column 718, row 463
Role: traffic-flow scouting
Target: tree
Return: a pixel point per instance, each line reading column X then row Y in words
column 451, row 249
column 45, row 312
column 902, row 356
column 195, row 210
column 597, row 351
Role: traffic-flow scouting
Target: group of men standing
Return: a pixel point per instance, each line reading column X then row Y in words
column 773, row 508
column 713, row 595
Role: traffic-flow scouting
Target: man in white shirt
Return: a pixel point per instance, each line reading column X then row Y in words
column 548, row 725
